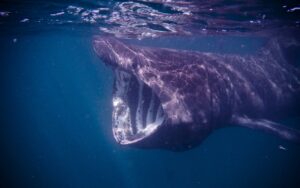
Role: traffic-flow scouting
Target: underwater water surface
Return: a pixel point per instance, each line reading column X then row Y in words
column 56, row 106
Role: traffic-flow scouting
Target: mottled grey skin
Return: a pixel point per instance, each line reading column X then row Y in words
column 200, row 91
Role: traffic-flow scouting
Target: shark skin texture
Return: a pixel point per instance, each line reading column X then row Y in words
column 173, row 99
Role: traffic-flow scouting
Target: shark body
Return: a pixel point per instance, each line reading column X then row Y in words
column 173, row 99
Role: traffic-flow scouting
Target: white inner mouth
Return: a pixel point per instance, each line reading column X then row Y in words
column 137, row 111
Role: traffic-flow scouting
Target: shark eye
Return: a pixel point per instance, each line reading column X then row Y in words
column 134, row 65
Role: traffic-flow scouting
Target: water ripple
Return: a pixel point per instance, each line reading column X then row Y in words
column 153, row 18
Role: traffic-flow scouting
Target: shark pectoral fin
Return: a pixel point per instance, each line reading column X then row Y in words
column 269, row 127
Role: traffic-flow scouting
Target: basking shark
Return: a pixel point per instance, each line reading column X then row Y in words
column 173, row 99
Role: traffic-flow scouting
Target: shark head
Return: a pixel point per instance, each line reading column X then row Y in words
column 147, row 111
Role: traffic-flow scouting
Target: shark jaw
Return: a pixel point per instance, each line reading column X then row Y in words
column 137, row 111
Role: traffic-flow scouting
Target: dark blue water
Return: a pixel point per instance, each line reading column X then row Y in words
column 55, row 117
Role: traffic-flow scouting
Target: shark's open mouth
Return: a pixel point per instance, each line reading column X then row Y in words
column 137, row 111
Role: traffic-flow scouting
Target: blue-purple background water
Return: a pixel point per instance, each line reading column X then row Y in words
column 55, row 96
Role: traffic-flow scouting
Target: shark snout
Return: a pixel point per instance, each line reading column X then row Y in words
column 113, row 52
column 103, row 47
